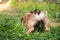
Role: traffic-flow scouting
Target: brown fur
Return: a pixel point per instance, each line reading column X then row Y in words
column 30, row 21
column 26, row 18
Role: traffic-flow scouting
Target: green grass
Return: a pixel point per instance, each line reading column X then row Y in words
column 12, row 29
column 23, row 7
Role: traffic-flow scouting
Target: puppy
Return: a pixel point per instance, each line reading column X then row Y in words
column 32, row 18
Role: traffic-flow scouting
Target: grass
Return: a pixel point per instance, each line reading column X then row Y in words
column 12, row 29
column 52, row 8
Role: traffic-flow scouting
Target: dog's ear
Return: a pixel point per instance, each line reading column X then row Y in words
column 31, row 11
column 21, row 19
column 37, row 11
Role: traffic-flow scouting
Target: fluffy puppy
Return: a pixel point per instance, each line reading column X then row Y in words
column 32, row 18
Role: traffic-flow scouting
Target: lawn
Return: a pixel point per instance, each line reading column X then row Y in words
column 11, row 27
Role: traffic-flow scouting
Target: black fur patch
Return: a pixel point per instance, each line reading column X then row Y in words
column 31, row 11
column 39, row 26
column 21, row 19
column 37, row 11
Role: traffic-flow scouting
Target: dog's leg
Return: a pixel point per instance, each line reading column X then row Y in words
column 47, row 25
column 30, row 29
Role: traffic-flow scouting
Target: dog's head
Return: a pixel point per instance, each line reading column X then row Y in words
column 29, row 15
column 37, row 11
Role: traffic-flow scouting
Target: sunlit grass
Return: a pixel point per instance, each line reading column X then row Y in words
column 12, row 29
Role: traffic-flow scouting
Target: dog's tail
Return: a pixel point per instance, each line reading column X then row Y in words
column 46, row 12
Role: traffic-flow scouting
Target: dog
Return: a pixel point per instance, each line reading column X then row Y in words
column 30, row 19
